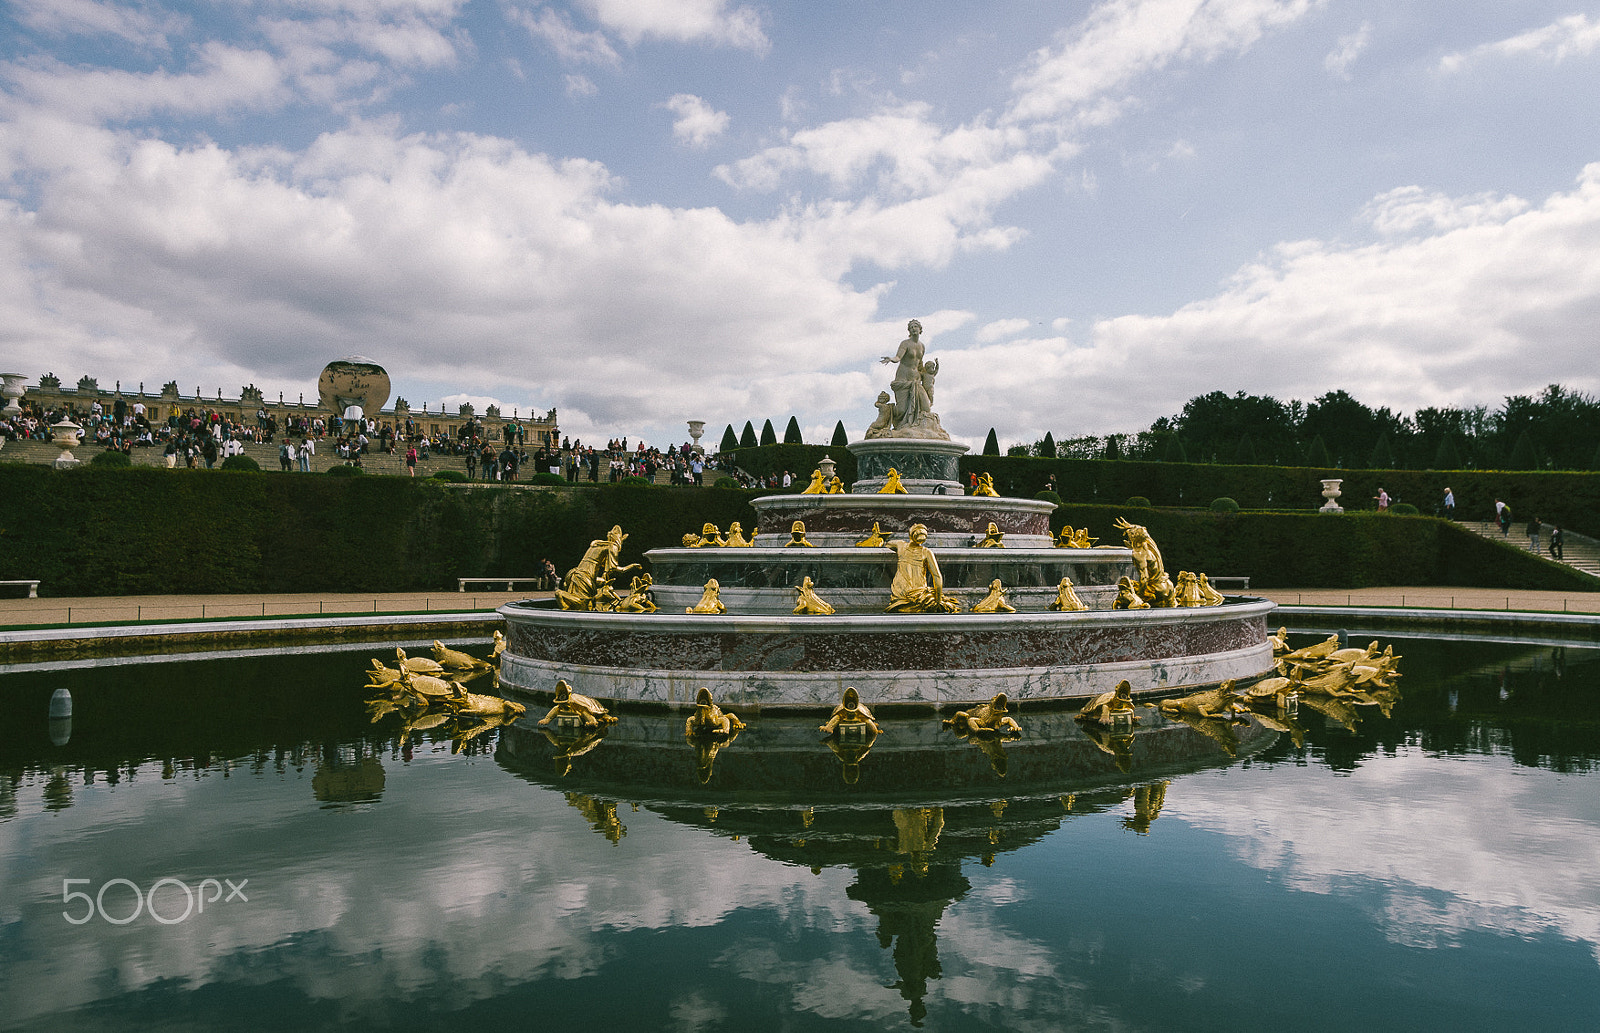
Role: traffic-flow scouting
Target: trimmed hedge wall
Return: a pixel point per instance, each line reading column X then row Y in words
column 149, row 530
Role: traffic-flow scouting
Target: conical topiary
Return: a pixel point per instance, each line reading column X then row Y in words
column 1175, row 450
column 991, row 444
column 1382, row 457
column 1047, row 447
column 768, row 435
column 1523, row 456
column 840, row 438
column 748, row 438
column 791, row 433
column 730, row 440
column 1447, row 458
column 1317, row 454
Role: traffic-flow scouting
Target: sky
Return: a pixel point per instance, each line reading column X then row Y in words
column 644, row 212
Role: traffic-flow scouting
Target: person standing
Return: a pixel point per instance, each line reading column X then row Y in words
column 411, row 461
column 1449, row 504
column 1383, row 500
column 1557, row 546
column 1502, row 514
column 308, row 448
column 1534, row 527
column 472, row 463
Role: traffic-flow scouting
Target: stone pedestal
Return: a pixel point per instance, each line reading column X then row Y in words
column 926, row 467
column 1330, row 491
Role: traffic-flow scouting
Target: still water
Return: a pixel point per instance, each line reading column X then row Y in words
column 1437, row 869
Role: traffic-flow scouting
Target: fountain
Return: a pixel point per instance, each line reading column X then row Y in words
column 907, row 563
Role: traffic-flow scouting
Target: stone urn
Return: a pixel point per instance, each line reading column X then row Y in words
column 65, row 435
column 1330, row 491
column 11, row 391
column 697, row 428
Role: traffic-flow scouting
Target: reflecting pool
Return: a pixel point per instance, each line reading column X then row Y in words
column 233, row 843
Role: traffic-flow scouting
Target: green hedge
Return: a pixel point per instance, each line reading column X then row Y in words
column 149, row 530
column 1571, row 499
column 799, row 460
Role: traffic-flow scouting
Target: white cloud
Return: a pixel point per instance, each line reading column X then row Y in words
column 698, row 123
column 1572, row 36
column 1409, row 209
column 570, row 44
column 1001, row 328
column 1124, row 39
column 580, row 86
column 90, row 17
column 1340, row 58
column 682, row 21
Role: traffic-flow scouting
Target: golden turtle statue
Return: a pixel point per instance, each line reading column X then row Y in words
column 986, row 720
column 850, row 713
column 568, row 704
column 1108, row 706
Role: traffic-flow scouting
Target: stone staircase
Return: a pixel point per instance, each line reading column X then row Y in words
column 1581, row 551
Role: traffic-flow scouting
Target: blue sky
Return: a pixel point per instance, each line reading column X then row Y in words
column 642, row 212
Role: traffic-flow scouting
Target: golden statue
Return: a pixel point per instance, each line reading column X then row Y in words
column 874, row 539
column 429, row 690
column 709, row 719
column 639, row 600
column 817, row 485
column 807, row 601
column 418, row 664
column 567, row 704
column 995, row 601
column 1222, row 701
column 1108, row 706
column 985, row 487
column 599, row 565
column 456, row 660
column 994, row 538
column 1274, row 692
column 1209, row 596
column 493, row 707
column 1160, row 592
column 1187, row 590
column 836, row 486
column 892, row 485
column 797, row 536
column 1067, row 600
column 691, row 541
column 380, row 676
column 988, row 719
column 498, row 648
column 1128, row 597
column 850, row 715
column 1146, row 555
column 918, row 587
column 709, row 536
column 736, row 538
column 710, row 600
column 1064, row 538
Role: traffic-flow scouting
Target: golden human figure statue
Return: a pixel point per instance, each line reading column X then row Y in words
column 1159, row 591
column 1128, row 597
column 797, row 536
column 498, row 647
column 736, row 538
column 985, row 486
column 993, row 538
column 807, row 601
column 1067, row 600
column 709, row 537
column 639, row 600
column 836, row 486
column 710, row 600
column 986, row 719
column 708, row 719
column 850, row 713
column 598, row 566
column 568, row 704
column 817, row 485
column 995, row 601
column 892, row 485
column 874, row 539
column 1146, row 556
column 918, row 587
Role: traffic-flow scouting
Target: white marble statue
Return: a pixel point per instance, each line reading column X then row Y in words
column 910, row 414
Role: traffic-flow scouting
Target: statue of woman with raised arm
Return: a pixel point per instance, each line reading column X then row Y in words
column 907, row 375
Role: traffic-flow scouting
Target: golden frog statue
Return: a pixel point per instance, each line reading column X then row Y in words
column 993, row 538
column 836, row 486
column 708, row 719
column 568, row 704
column 987, row 719
column 872, row 540
column 1186, row 592
column 892, row 485
column 808, row 602
column 736, row 538
column 1209, row 596
column 710, row 600
column 1067, row 600
column 797, row 536
column 817, row 486
column 639, row 600
column 995, row 601
column 1128, row 597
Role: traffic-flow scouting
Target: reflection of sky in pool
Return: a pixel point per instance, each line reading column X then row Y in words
column 1439, row 870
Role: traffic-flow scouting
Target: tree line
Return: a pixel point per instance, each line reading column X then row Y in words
column 1557, row 429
